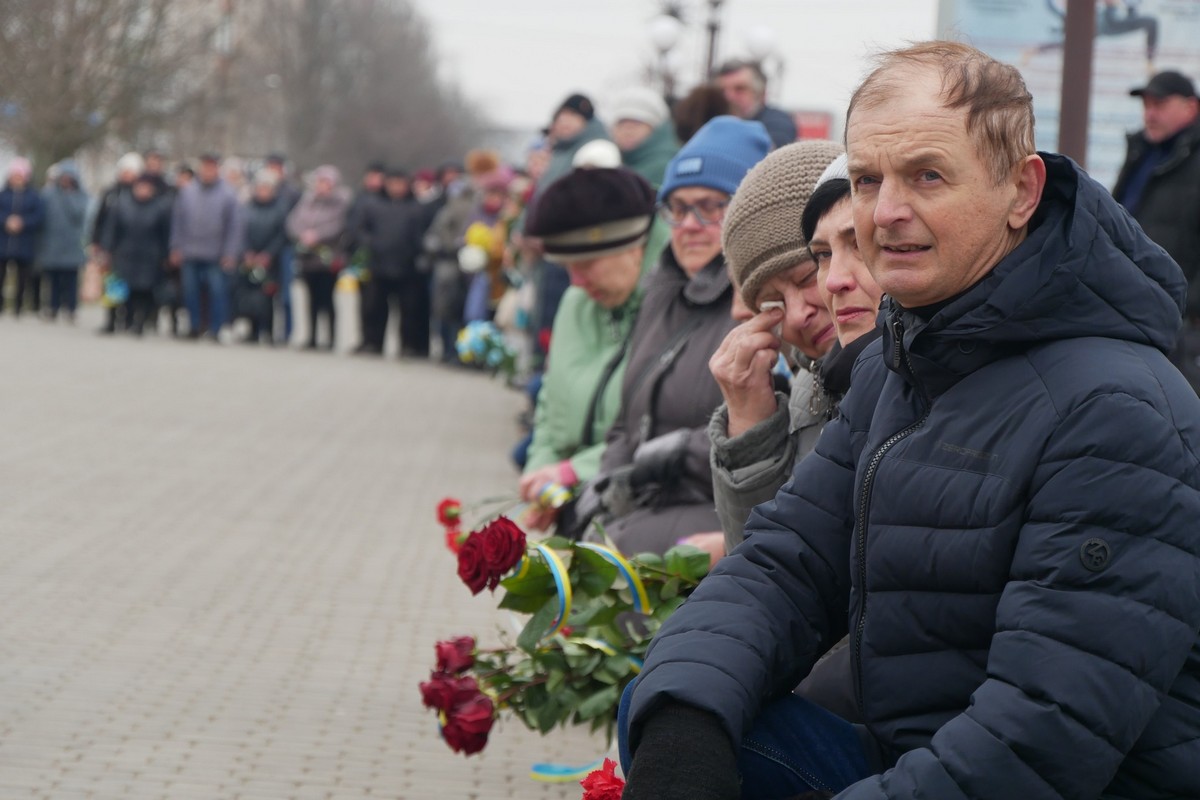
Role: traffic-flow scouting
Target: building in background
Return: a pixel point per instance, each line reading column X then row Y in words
column 1133, row 40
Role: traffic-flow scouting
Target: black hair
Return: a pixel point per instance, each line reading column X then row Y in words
column 825, row 197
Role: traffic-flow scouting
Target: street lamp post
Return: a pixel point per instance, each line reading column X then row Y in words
column 664, row 33
column 714, row 28
column 761, row 47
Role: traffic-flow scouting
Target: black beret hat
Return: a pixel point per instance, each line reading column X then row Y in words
column 592, row 212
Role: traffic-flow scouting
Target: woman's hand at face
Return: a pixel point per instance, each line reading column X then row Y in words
column 742, row 368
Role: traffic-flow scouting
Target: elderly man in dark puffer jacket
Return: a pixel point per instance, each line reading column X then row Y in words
column 1005, row 518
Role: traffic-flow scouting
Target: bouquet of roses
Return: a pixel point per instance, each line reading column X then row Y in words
column 589, row 615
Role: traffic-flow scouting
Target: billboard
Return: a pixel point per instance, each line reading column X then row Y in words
column 1134, row 39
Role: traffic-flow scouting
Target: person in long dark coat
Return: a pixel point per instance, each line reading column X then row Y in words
column 21, row 214
column 137, row 237
column 61, row 248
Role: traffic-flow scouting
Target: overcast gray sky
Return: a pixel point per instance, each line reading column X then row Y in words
column 519, row 59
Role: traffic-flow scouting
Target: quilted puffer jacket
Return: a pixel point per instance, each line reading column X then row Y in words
column 1005, row 519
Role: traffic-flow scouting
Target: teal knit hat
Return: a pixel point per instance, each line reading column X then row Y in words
column 718, row 156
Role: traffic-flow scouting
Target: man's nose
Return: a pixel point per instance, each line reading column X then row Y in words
column 891, row 204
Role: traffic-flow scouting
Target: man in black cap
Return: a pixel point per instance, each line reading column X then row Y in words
column 1158, row 186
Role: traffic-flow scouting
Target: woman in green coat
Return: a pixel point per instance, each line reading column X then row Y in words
column 595, row 222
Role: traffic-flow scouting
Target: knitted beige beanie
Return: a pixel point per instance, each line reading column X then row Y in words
column 761, row 236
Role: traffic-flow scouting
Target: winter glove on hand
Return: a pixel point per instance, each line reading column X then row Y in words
column 660, row 460
column 684, row 754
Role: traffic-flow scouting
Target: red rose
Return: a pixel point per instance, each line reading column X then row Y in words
column 471, row 568
column 503, row 548
column 449, row 511
column 455, row 655
column 468, row 723
column 603, row 784
column 444, row 691
column 454, row 539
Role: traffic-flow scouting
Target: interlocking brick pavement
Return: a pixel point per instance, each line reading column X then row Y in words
column 220, row 576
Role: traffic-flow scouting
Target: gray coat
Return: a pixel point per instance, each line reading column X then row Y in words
column 61, row 246
column 680, row 396
column 749, row 469
column 206, row 222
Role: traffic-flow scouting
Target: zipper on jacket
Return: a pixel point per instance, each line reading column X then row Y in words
column 900, row 357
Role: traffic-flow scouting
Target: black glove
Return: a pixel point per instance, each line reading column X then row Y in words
column 684, row 754
column 660, row 460
column 576, row 517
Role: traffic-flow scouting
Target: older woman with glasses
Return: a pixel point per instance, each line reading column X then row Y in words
column 655, row 484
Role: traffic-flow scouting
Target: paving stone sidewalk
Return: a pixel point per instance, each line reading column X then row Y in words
column 220, row 576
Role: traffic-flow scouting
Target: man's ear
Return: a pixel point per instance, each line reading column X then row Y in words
column 1029, row 178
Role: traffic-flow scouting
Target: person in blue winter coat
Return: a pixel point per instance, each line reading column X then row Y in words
column 21, row 214
column 1003, row 517
column 60, row 251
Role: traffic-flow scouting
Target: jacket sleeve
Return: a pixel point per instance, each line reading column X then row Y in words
column 1083, row 655
column 748, row 469
column 35, row 214
column 108, row 235
column 234, row 228
column 758, row 623
column 176, row 221
column 549, row 425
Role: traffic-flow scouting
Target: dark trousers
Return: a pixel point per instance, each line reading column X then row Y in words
column 139, row 308
column 412, row 297
column 414, row 316
column 23, row 269
column 64, row 290
column 320, row 301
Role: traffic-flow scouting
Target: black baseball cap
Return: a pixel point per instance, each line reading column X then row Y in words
column 1165, row 84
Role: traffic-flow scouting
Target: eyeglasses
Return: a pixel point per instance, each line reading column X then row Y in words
column 708, row 211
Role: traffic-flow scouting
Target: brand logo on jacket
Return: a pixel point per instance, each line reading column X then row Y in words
column 1095, row 554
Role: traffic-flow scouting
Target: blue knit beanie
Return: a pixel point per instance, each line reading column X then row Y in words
column 718, row 156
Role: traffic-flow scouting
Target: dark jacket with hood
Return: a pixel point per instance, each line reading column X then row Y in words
column 1004, row 519
column 265, row 228
column 650, row 158
column 669, row 400
column 1169, row 209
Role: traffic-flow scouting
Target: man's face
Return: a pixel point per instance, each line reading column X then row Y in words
column 629, row 133
column 372, row 181
column 1166, row 116
column 143, row 190
column 396, row 186
column 209, row 171
column 608, row 280
column 264, row 193
column 930, row 219
column 154, row 164
column 741, row 92
column 847, row 288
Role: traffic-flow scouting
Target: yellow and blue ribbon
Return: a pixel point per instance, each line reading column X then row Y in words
column 562, row 773
column 562, row 583
column 641, row 600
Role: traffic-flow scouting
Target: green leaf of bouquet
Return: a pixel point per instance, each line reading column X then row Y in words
column 599, row 703
column 685, row 561
column 557, row 542
column 538, row 626
column 536, row 580
column 593, row 614
column 591, row 574
column 670, row 589
column 523, row 604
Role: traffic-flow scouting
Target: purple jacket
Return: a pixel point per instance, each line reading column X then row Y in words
column 206, row 222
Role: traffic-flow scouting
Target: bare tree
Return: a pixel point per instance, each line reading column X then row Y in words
column 74, row 72
column 343, row 83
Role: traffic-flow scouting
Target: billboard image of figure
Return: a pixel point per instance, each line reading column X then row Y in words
column 1134, row 39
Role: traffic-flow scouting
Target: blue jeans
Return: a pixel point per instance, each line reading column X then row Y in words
column 198, row 274
column 794, row 746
